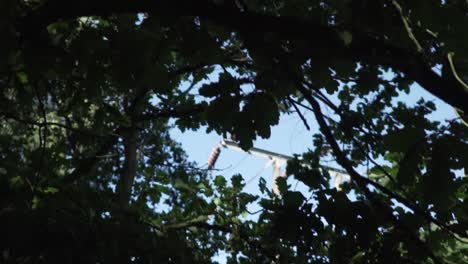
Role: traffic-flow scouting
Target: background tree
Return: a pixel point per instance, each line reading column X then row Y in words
column 90, row 89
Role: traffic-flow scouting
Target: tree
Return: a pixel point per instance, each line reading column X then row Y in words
column 90, row 90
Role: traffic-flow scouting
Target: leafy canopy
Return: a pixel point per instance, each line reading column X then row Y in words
column 90, row 90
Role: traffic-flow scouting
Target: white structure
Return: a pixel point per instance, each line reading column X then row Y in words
column 276, row 160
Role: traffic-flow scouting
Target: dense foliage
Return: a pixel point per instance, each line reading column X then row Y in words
column 91, row 88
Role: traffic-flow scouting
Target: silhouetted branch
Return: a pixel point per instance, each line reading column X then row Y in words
column 299, row 113
column 361, row 180
column 328, row 45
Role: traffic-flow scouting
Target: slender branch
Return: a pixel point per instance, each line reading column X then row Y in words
column 407, row 26
column 378, row 166
column 89, row 164
column 200, row 222
column 299, row 113
column 337, row 111
column 172, row 113
column 322, row 97
column 454, row 71
column 48, row 123
column 366, row 154
column 301, row 104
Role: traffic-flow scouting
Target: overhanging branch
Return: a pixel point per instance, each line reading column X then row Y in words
column 362, row 181
column 324, row 40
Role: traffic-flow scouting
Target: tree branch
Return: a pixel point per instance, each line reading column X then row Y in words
column 407, row 26
column 360, row 180
column 201, row 222
column 89, row 165
column 48, row 123
column 172, row 113
column 329, row 45
column 299, row 113
column 129, row 170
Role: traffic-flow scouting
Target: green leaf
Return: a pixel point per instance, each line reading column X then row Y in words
column 402, row 139
column 35, row 203
column 293, row 199
column 409, row 164
column 346, row 36
column 263, row 186
column 225, row 86
column 237, row 182
column 50, row 190
column 220, row 181
column 22, row 77
column 282, row 184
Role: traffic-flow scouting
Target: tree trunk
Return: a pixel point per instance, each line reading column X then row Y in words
column 124, row 187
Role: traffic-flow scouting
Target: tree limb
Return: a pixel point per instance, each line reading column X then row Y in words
column 361, row 180
column 407, row 26
column 48, row 123
column 328, row 45
column 299, row 113
column 129, row 170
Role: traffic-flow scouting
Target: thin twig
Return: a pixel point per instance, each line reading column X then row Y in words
column 407, row 26
column 44, row 124
column 454, row 71
column 299, row 113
